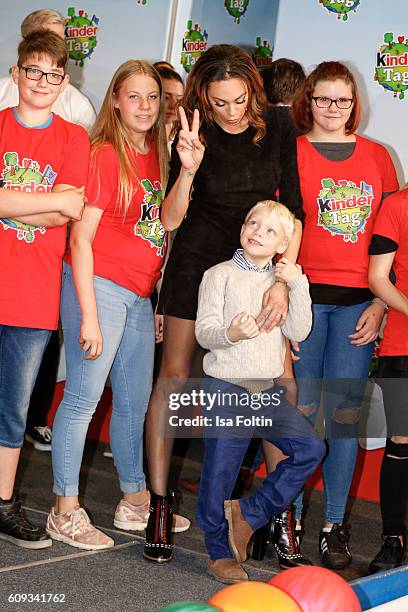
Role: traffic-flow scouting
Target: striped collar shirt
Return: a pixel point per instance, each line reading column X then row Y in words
column 240, row 261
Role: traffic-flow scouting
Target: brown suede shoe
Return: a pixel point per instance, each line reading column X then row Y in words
column 227, row 571
column 239, row 531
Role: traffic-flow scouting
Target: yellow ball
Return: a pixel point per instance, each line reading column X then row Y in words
column 253, row 597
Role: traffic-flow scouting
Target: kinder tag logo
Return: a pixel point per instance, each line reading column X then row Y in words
column 391, row 70
column 236, row 8
column 193, row 45
column 340, row 7
column 80, row 35
column 343, row 209
column 262, row 54
column 149, row 226
column 25, row 177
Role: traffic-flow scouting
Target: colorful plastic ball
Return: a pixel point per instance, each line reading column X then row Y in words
column 189, row 606
column 253, row 597
column 316, row 589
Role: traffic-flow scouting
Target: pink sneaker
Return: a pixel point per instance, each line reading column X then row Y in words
column 134, row 518
column 75, row 528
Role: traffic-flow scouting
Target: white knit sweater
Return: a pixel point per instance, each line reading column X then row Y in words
column 227, row 290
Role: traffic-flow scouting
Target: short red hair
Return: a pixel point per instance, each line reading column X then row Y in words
column 326, row 71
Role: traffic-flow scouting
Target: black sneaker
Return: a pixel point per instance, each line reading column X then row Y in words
column 39, row 437
column 389, row 556
column 333, row 546
column 15, row 528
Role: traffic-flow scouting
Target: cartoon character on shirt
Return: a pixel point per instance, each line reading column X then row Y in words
column 149, row 226
column 25, row 177
column 343, row 208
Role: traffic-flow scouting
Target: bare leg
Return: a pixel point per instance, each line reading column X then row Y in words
column 8, row 467
column 179, row 347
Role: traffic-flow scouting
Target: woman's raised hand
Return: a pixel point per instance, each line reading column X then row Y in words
column 189, row 147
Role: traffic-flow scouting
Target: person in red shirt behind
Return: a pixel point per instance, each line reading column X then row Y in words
column 389, row 249
column 113, row 263
column 344, row 178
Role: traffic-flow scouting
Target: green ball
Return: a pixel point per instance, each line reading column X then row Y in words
column 188, row 606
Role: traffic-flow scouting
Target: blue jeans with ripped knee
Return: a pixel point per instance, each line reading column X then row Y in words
column 328, row 357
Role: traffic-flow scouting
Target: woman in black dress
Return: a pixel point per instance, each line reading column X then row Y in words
column 234, row 154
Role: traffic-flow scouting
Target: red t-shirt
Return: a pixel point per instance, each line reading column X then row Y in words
column 341, row 201
column 128, row 251
column 392, row 222
column 34, row 160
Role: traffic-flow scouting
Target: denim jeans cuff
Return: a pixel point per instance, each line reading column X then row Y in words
column 67, row 491
column 132, row 487
column 335, row 519
column 8, row 444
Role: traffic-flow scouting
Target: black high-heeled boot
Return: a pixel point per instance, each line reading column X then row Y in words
column 285, row 541
column 159, row 543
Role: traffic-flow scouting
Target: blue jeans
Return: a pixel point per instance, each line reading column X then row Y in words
column 328, row 354
column 21, row 351
column 223, row 458
column 126, row 322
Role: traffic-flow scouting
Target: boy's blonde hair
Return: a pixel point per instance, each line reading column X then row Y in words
column 280, row 212
column 38, row 20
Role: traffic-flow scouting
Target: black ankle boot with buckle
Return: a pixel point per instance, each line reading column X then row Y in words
column 285, row 541
column 158, row 543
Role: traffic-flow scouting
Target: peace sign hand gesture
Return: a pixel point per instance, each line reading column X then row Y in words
column 189, row 147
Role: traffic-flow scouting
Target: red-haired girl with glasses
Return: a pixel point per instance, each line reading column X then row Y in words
column 344, row 178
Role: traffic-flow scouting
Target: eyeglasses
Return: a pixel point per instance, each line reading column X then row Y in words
column 35, row 74
column 323, row 102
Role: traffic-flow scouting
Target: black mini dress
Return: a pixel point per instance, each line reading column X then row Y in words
column 234, row 175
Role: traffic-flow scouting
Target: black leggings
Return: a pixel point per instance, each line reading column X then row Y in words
column 394, row 468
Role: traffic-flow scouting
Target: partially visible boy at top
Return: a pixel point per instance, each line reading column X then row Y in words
column 43, row 170
column 72, row 105
column 243, row 361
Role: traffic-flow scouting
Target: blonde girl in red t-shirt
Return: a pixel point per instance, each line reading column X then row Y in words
column 116, row 252
column 344, row 178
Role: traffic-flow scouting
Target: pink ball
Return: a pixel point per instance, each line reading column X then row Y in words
column 316, row 589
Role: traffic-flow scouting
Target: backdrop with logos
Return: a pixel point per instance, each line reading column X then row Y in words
column 102, row 34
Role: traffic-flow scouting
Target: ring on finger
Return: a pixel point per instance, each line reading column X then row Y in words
column 278, row 316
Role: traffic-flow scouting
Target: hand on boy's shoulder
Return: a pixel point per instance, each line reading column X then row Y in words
column 242, row 327
column 287, row 271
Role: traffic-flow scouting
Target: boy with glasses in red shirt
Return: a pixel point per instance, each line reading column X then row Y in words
column 43, row 168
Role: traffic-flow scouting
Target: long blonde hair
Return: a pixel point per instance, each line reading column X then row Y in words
column 108, row 128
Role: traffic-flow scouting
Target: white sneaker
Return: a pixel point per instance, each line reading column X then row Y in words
column 40, row 438
column 134, row 518
column 75, row 528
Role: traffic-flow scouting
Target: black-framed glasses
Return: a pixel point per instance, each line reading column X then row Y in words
column 35, row 74
column 323, row 102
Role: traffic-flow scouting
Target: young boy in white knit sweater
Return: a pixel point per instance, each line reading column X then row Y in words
column 242, row 363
